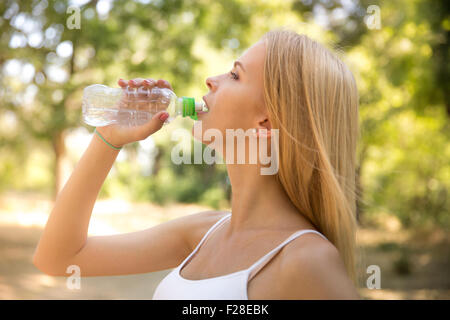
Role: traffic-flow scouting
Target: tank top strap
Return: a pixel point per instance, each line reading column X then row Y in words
column 215, row 226
column 258, row 265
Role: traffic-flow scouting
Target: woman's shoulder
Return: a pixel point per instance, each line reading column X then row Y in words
column 198, row 224
column 316, row 266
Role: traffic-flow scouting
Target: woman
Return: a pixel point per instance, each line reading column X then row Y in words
column 291, row 235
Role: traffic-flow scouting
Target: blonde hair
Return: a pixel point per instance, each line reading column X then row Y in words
column 311, row 97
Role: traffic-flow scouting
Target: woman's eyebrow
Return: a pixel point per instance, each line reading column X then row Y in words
column 238, row 63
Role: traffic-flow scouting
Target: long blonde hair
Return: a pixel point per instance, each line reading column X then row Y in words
column 311, row 97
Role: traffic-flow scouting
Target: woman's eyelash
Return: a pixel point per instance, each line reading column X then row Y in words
column 234, row 75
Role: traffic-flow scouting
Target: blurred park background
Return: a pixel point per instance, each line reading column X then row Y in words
column 398, row 51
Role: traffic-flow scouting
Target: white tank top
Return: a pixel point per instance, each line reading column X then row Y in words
column 232, row 286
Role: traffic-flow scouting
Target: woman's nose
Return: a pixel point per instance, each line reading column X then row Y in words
column 211, row 83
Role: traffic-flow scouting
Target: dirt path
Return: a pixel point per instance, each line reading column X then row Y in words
column 21, row 280
column 413, row 266
column 21, row 223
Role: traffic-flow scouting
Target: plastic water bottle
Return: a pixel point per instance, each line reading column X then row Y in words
column 128, row 106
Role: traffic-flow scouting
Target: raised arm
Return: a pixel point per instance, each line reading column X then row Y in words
column 65, row 234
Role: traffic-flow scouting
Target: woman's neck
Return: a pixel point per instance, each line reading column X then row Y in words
column 259, row 201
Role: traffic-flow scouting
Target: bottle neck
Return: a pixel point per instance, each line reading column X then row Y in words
column 186, row 107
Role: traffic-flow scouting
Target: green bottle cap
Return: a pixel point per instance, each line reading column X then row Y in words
column 189, row 108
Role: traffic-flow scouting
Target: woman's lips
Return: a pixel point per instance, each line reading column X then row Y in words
column 206, row 104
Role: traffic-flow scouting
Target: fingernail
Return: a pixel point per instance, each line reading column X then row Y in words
column 133, row 82
column 163, row 116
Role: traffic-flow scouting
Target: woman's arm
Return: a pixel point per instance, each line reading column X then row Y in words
column 66, row 230
column 65, row 233
column 64, row 241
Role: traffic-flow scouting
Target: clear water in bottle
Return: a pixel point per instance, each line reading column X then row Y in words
column 103, row 105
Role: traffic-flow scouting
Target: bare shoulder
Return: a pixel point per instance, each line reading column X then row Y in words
column 196, row 225
column 312, row 268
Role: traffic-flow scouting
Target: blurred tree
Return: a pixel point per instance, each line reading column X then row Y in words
column 343, row 18
column 404, row 149
column 115, row 39
column 403, row 65
column 401, row 69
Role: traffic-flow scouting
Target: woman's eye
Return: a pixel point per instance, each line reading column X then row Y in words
column 234, row 75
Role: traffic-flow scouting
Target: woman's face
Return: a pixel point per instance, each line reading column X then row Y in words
column 235, row 99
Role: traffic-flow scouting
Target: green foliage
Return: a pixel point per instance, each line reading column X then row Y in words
column 402, row 72
column 201, row 183
column 389, row 246
column 405, row 147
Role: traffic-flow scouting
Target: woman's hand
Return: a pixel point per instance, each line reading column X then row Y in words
column 119, row 135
